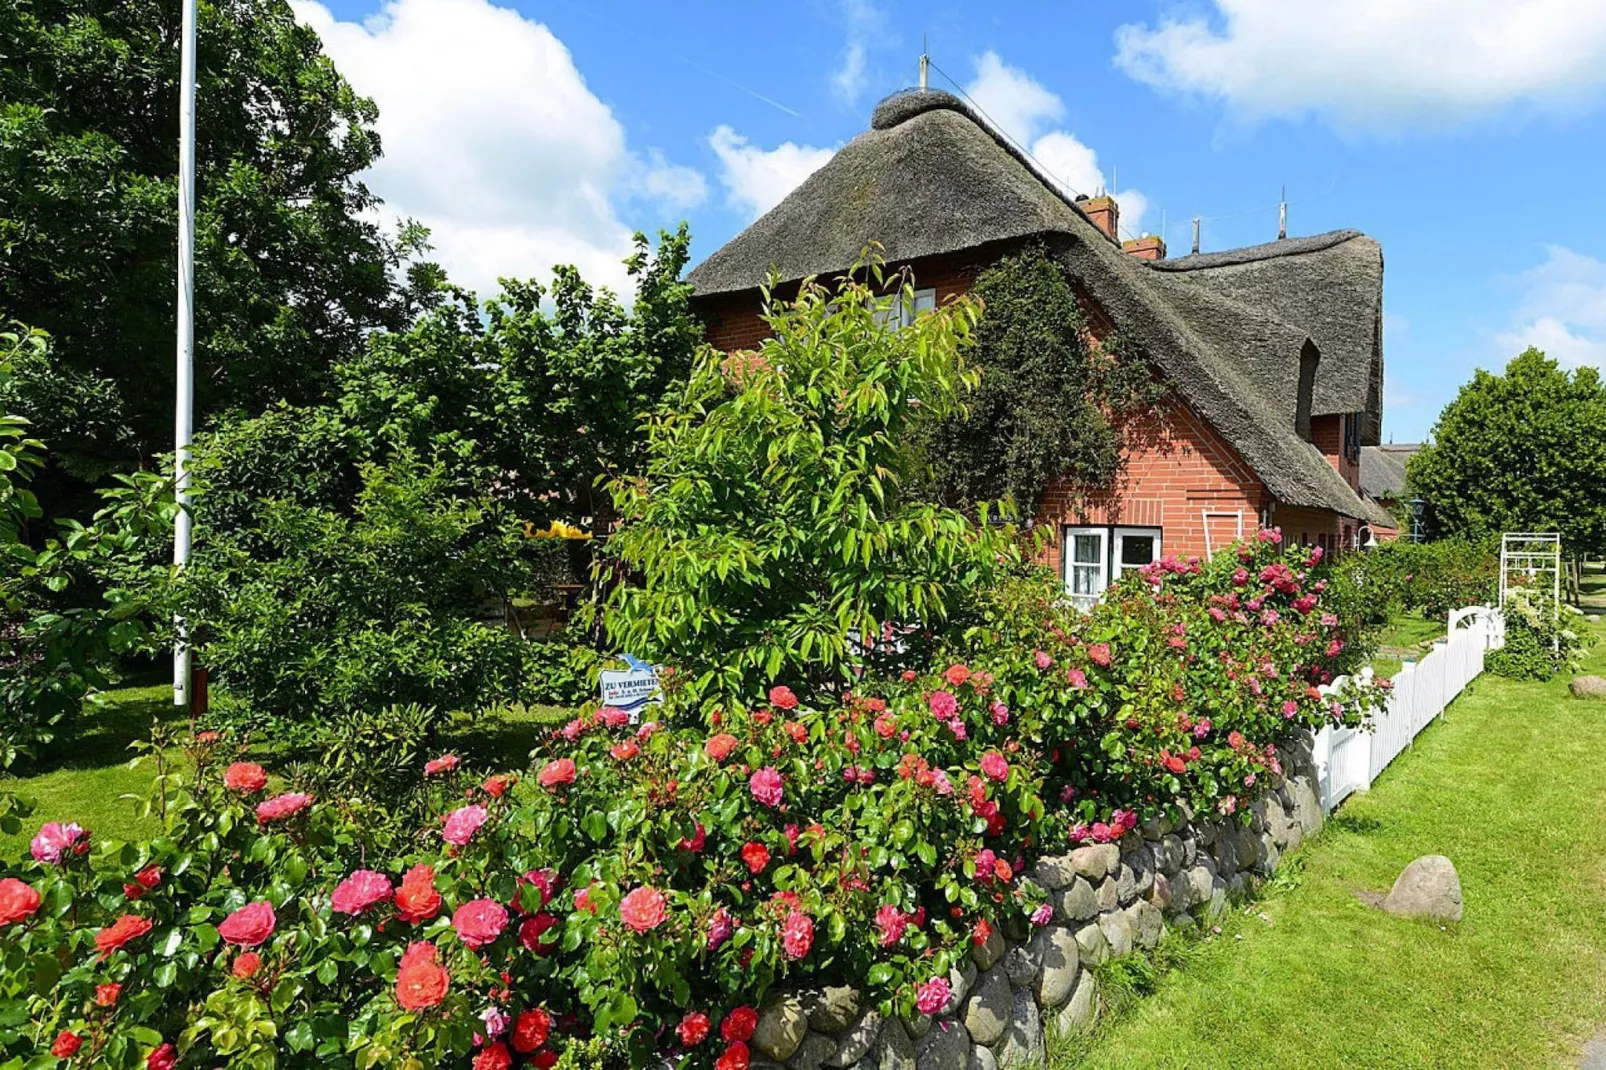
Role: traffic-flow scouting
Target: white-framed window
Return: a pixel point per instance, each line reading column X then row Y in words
column 898, row 315
column 1087, row 564
column 1095, row 557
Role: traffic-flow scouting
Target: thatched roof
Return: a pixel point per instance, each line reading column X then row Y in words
column 1383, row 469
column 931, row 178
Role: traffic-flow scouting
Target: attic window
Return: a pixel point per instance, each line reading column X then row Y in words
column 897, row 315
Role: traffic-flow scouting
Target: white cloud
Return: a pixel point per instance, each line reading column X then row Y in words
column 864, row 23
column 1024, row 109
column 493, row 140
column 756, row 179
column 1562, row 310
column 1377, row 64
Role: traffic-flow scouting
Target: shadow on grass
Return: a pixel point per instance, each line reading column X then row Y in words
column 101, row 734
column 1355, row 823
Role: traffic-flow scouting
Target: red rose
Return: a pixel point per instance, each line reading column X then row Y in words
column 756, row 855
column 693, row 1028
column 18, row 901
column 735, row 1058
column 782, row 698
column 421, row 982
column 533, row 929
column 557, row 773
column 66, row 1045
column 163, row 1058
column 530, row 1030
column 125, row 929
column 643, row 909
column 479, row 921
column 247, row 964
column 739, row 1024
column 719, row 747
column 245, row 777
column 107, row 995
column 250, row 925
column 1175, row 763
column 495, row 1057
column 496, row 785
column 416, row 899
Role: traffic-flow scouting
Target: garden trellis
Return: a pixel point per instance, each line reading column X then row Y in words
column 1530, row 562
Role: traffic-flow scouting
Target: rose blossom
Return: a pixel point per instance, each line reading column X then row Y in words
column 1100, row 653
column 932, row 997
column 493, row 1057
column 18, row 901
column 247, row 778
column 1000, row 714
column 1042, row 659
column 124, row 930
column 246, row 965
column 693, row 1028
column 994, row 765
column 444, row 764
column 146, row 879
column 557, row 773
column 756, row 856
column 892, row 922
column 163, row 1058
column 643, row 909
column 943, row 705
column 782, row 698
column 797, row 935
column 108, row 994
column 624, row 750
column 66, row 1045
column 530, row 1030
column 766, row 786
column 463, row 823
column 719, row 747
column 421, row 981
column 533, row 928
column 479, row 921
column 736, row 1057
column 282, row 806
column 956, row 675
column 358, row 892
column 250, row 925
column 1077, row 679
column 495, row 1020
column 54, row 840
column 1042, row 915
column 720, row 927
column 416, row 899
column 738, row 1025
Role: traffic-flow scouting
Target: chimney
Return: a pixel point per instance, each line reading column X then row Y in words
column 1105, row 214
column 1148, row 247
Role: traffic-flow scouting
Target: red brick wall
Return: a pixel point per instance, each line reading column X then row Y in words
column 1327, row 433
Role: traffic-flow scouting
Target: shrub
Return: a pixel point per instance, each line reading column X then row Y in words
column 1432, row 578
column 1539, row 642
column 646, row 873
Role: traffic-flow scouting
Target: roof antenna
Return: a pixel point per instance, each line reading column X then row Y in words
column 925, row 62
column 1196, row 221
column 1282, row 216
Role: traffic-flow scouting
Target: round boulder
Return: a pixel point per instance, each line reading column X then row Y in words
column 1588, row 687
column 1427, row 888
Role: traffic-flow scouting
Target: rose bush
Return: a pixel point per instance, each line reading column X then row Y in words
column 640, row 888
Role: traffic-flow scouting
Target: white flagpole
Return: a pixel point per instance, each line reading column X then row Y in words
column 184, row 410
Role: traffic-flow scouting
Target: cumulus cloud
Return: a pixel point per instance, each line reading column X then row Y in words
column 756, row 179
column 1380, row 65
column 1026, row 110
column 493, row 140
column 1561, row 310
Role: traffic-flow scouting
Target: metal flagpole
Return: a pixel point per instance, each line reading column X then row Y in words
column 184, row 409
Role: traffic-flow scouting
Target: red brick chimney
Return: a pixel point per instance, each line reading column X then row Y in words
column 1148, row 247
column 1105, row 214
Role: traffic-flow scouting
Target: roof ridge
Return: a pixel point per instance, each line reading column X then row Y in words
column 1246, row 254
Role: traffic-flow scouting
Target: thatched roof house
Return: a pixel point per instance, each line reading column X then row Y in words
column 1273, row 348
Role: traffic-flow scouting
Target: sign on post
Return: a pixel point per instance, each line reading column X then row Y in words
column 631, row 689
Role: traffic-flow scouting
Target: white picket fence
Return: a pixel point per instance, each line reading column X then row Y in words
column 1349, row 759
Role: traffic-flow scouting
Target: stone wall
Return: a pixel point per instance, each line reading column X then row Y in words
column 1109, row 900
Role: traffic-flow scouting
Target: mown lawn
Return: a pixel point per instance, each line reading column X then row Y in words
column 1511, row 786
column 86, row 778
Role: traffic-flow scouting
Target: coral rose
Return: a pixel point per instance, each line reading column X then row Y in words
column 421, row 981
column 479, row 921
column 18, row 901
column 693, row 1028
column 124, row 930
column 956, row 675
column 66, row 1045
column 756, row 856
column 358, row 892
column 416, row 899
column 247, row 778
column 250, row 925
column 282, row 806
column 246, row 965
column 738, row 1025
column 444, row 764
column 766, row 786
column 719, row 747
column 643, row 909
column 530, row 1030
column 782, row 698
column 107, row 995
column 461, row 824
column 557, row 773
column 1100, row 653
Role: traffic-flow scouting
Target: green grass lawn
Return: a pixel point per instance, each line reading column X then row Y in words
column 86, row 778
column 1404, row 633
column 1511, row 786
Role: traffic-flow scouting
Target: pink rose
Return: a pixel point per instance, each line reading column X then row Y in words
column 463, row 823
column 932, row 996
column 766, row 786
column 797, row 935
column 444, row 764
column 643, row 909
column 479, row 921
column 994, row 766
column 720, row 927
column 943, row 705
column 54, row 840
column 358, row 892
column 250, row 925
column 1077, row 679
column 282, row 806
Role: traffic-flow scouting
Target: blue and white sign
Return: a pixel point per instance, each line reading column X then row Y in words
column 631, row 689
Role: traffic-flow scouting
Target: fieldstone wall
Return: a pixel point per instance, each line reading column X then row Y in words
column 1109, row 900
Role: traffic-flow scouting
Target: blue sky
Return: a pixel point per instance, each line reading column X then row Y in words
column 1467, row 136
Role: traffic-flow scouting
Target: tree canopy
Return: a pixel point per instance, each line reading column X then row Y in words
column 291, row 267
column 1520, row 451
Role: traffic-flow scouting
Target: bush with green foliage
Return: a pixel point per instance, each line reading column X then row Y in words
column 1430, row 578
column 1542, row 639
column 654, row 875
column 773, row 525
